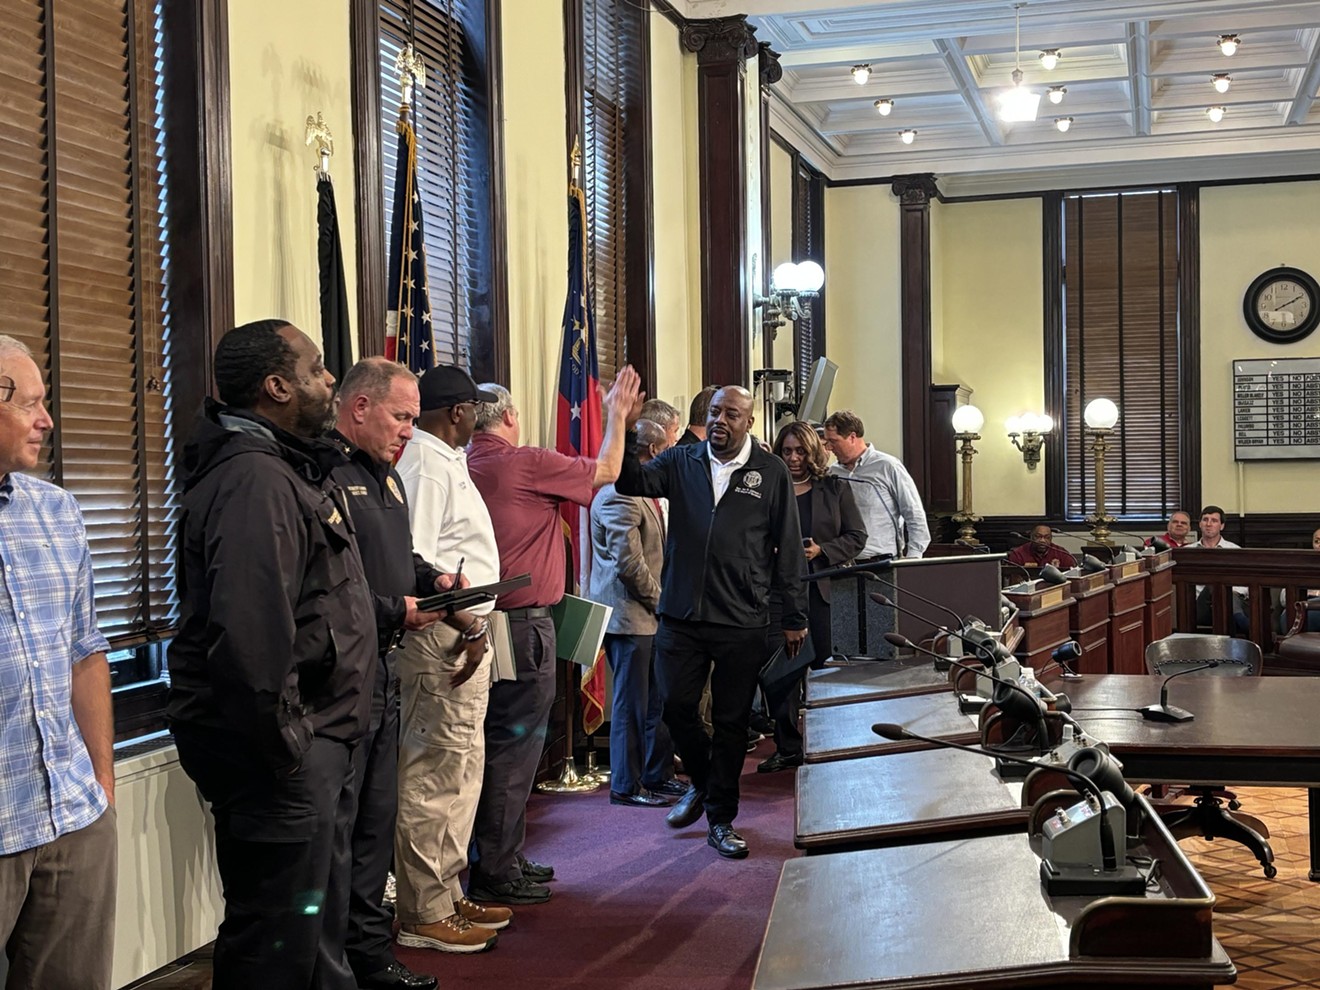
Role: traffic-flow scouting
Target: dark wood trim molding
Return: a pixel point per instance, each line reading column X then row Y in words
column 915, row 193
column 666, row 10
column 574, row 85
column 639, row 170
column 197, row 156
column 364, row 37
column 723, row 46
column 51, row 82
column 1266, row 530
column 1056, row 399
column 769, row 73
column 494, row 365
column 1189, row 346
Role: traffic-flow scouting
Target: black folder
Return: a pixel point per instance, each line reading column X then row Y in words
column 457, row 599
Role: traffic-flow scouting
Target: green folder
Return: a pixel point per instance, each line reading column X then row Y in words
column 579, row 629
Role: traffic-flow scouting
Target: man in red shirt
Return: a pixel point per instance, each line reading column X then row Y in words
column 523, row 488
column 1180, row 527
column 1041, row 551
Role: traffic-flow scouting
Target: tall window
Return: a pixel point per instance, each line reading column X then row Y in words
column 616, row 156
column 1121, row 330
column 808, row 245
column 451, row 116
column 84, row 261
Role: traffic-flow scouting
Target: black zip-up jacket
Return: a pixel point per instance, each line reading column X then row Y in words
column 277, row 637
column 721, row 561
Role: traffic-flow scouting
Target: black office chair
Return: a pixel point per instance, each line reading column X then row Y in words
column 1207, row 816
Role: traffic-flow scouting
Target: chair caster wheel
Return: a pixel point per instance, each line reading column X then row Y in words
column 1270, row 871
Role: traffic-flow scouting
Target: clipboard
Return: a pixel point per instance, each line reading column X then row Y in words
column 457, row 599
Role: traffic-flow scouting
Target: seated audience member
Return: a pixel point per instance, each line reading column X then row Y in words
column 833, row 534
column 1180, row 528
column 1041, row 551
column 1287, row 617
column 1212, row 526
column 665, row 416
column 628, row 553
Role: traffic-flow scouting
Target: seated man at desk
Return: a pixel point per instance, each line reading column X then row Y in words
column 1212, row 525
column 1041, row 551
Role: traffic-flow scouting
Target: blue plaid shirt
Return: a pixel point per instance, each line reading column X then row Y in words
column 47, row 624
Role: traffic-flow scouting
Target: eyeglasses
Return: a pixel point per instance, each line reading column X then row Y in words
column 7, row 387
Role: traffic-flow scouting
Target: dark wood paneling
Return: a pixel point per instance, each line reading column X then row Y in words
column 364, row 39
column 944, row 449
column 1189, row 344
column 574, row 123
column 640, row 235
column 1266, row 530
column 1055, row 395
column 723, row 46
column 491, row 364
column 915, row 193
column 197, row 160
column 769, row 72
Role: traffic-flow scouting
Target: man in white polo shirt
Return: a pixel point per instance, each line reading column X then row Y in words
column 444, row 680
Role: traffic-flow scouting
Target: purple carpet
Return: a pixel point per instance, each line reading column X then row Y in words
column 636, row 904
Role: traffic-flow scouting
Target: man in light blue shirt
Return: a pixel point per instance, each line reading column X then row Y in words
column 57, row 822
column 884, row 491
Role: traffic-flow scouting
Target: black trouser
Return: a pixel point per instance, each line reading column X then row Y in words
column 784, row 702
column 376, row 797
column 516, row 722
column 686, row 652
column 277, row 843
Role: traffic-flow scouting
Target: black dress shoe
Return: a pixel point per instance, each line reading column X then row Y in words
column 514, row 892
column 397, row 976
column 535, row 872
column 670, row 788
column 777, row 761
column 689, row 808
column 725, row 841
column 642, row 799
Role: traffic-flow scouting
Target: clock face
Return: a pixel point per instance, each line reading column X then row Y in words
column 1282, row 305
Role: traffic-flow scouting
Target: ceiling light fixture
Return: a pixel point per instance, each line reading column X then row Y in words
column 1216, row 114
column 1056, row 94
column 1019, row 103
column 1049, row 59
column 908, row 136
column 1228, row 43
column 860, row 74
column 884, row 107
column 1063, row 123
column 1221, row 81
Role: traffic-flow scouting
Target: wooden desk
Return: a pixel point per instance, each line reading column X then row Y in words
column 1127, row 626
column 1159, row 600
column 1089, row 624
column 875, row 679
column 890, row 800
column 973, row 913
column 844, row 731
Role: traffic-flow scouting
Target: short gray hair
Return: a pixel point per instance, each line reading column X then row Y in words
column 650, row 433
column 489, row 414
column 12, row 345
column 661, row 412
column 373, row 377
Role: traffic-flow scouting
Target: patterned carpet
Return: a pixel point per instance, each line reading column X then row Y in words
column 1270, row 928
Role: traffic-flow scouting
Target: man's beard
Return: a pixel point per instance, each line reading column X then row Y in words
column 316, row 418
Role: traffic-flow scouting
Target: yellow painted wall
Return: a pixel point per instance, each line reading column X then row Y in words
column 781, row 238
column 862, row 308
column 280, row 72
column 674, row 204
column 1246, row 230
column 990, row 293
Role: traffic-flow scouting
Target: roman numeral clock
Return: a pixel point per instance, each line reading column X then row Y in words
column 1282, row 305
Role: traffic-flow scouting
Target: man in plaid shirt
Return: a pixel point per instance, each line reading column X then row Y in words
column 57, row 775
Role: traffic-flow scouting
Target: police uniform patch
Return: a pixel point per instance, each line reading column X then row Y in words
column 394, row 489
column 752, row 479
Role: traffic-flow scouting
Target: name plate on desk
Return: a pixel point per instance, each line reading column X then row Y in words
column 1156, row 561
column 1082, row 583
column 1127, row 569
column 1036, row 599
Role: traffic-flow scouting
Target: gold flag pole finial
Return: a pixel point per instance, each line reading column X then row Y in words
column 575, row 162
column 411, row 68
column 319, row 131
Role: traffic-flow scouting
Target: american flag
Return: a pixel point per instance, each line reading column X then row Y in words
column 580, row 425
column 408, row 337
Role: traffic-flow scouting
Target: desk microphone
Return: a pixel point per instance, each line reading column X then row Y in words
column 884, row 564
column 1107, row 877
column 974, row 547
column 961, row 620
column 988, row 656
column 1164, row 712
column 1062, row 655
column 1031, row 578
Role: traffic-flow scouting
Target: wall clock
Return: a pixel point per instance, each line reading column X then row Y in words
column 1282, row 305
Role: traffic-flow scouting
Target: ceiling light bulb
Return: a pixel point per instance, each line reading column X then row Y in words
column 860, row 74
column 1063, row 123
column 885, row 107
column 1221, row 82
column 1216, row 114
column 1228, row 43
column 1056, row 94
column 1049, row 59
column 908, row 136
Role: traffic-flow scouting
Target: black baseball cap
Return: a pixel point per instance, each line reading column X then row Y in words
column 447, row 385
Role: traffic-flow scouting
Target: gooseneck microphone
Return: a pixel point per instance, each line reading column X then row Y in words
column 960, row 620
column 988, row 656
column 974, row 547
column 851, row 570
column 1165, row 712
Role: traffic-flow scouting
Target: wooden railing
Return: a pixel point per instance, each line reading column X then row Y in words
column 1293, row 572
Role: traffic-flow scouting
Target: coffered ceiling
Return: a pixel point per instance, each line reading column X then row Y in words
column 1138, row 75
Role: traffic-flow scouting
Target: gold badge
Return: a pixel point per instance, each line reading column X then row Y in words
column 394, row 489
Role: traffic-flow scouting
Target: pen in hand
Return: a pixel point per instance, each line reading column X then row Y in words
column 458, row 574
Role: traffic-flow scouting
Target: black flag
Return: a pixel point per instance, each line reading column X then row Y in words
column 335, row 343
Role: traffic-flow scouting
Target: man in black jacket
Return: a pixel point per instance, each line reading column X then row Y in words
column 271, row 669
column 733, row 535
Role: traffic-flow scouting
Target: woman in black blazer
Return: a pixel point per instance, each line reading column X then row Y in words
column 833, row 534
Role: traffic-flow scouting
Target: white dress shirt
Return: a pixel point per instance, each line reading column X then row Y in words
column 721, row 472
column 889, row 502
column 450, row 521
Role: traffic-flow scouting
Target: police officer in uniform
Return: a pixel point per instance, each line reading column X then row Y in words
column 378, row 403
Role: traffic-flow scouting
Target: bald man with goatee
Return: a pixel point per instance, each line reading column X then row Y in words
column 733, row 536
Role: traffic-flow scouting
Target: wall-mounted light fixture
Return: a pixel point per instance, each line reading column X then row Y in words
column 1100, row 416
column 1032, row 428
column 789, row 286
column 967, row 423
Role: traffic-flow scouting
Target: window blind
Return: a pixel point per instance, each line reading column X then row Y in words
column 808, row 245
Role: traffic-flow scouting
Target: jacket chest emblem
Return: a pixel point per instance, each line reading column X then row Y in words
column 752, row 479
column 394, row 489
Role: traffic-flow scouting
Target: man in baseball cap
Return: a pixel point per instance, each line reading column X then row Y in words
column 446, row 386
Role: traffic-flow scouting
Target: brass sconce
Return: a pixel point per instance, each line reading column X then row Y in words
column 1032, row 428
column 967, row 423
